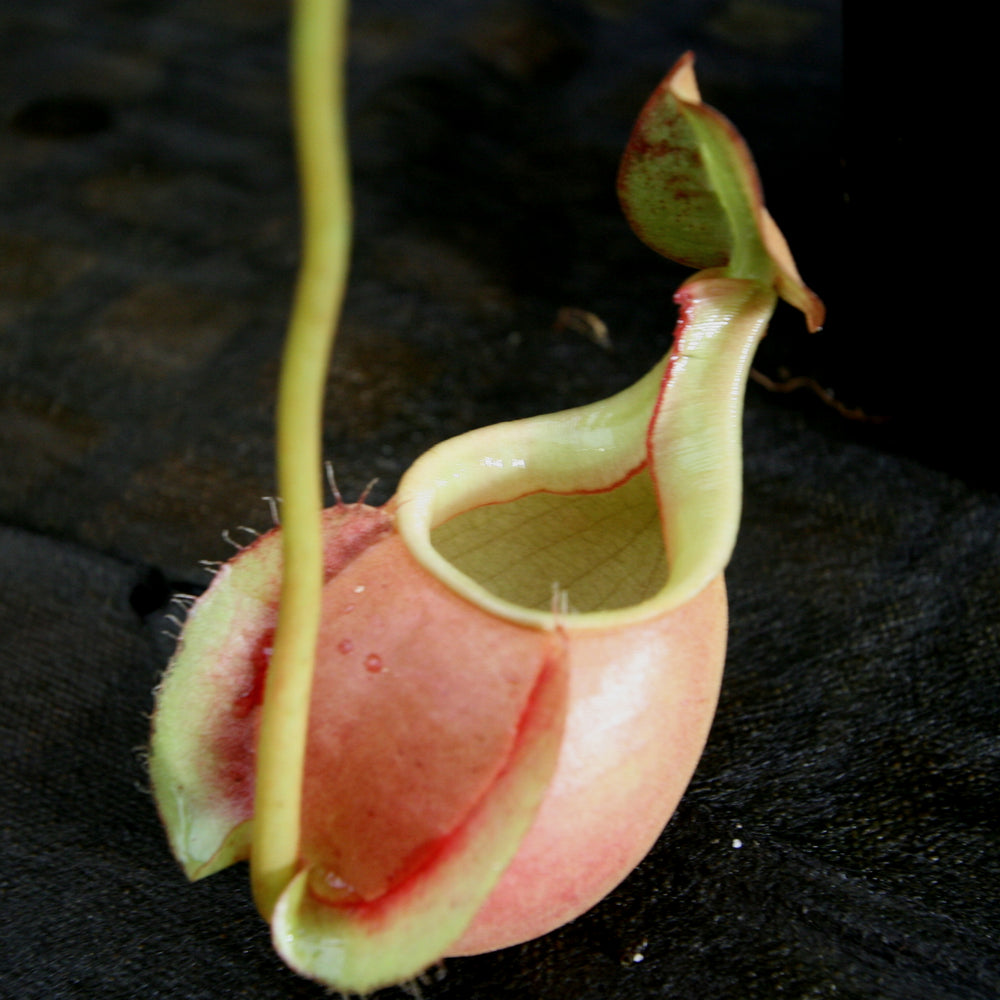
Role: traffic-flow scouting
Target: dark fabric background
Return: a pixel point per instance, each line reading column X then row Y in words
column 839, row 837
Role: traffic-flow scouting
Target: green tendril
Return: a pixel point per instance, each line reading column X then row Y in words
column 318, row 43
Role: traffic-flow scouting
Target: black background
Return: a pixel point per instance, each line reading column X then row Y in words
column 148, row 241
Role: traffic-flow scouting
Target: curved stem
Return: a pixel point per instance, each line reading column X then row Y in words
column 319, row 29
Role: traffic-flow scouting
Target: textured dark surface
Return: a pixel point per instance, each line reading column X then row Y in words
column 839, row 838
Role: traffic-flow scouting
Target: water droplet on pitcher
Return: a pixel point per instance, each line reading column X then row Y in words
column 345, row 645
column 334, row 881
column 328, row 885
column 373, row 663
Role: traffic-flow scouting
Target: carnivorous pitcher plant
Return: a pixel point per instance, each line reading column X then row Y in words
column 454, row 722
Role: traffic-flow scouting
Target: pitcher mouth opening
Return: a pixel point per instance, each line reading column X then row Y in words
column 573, row 554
